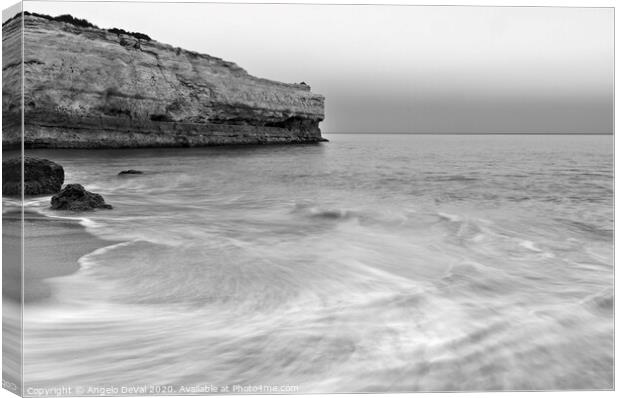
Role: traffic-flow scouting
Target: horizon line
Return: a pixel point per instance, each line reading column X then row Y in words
column 445, row 133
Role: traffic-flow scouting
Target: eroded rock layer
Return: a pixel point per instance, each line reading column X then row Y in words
column 86, row 87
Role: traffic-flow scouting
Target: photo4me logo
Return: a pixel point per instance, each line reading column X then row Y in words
column 264, row 389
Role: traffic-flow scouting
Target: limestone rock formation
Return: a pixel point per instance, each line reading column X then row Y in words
column 41, row 176
column 87, row 87
column 75, row 197
column 130, row 172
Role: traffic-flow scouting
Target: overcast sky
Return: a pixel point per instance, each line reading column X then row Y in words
column 399, row 68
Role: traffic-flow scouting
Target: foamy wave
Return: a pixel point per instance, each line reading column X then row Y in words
column 450, row 217
column 87, row 261
column 86, row 222
column 528, row 244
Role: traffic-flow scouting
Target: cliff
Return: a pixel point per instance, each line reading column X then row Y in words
column 86, row 87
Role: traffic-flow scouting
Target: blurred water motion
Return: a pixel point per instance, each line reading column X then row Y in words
column 372, row 263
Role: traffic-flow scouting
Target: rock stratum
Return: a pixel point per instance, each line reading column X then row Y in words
column 86, row 87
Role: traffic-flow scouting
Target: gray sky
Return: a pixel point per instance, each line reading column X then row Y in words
column 403, row 69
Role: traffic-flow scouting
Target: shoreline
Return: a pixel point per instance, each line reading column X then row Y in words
column 10, row 147
column 52, row 248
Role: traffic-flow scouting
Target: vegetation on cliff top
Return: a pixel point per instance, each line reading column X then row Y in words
column 82, row 23
column 137, row 35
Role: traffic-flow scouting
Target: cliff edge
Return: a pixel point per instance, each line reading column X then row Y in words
column 86, row 87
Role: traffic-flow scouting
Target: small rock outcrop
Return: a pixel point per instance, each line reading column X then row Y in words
column 41, row 176
column 75, row 197
column 130, row 171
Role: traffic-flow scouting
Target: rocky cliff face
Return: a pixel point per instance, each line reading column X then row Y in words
column 87, row 87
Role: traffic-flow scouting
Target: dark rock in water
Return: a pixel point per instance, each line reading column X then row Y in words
column 41, row 176
column 130, row 171
column 75, row 197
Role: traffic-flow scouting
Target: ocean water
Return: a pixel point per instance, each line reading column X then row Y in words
column 369, row 263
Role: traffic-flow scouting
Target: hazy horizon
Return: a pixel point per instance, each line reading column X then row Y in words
column 403, row 69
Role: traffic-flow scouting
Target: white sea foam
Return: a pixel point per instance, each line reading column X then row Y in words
column 313, row 266
column 528, row 244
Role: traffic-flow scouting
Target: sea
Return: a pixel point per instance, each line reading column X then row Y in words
column 371, row 263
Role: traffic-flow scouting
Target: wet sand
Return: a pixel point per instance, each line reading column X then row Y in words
column 52, row 248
